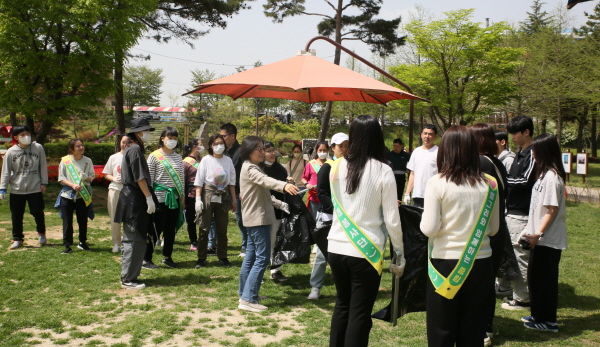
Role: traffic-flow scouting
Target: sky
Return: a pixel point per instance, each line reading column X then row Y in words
column 250, row 37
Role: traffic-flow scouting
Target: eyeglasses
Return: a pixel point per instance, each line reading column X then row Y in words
column 270, row 151
column 260, row 149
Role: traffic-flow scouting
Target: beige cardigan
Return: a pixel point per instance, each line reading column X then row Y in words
column 257, row 206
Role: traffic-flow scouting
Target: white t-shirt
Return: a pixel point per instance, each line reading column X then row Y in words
column 549, row 191
column 219, row 172
column 423, row 162
column 113, row 167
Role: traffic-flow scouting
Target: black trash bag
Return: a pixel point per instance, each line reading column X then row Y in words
column 413, row 283
column 293, row 237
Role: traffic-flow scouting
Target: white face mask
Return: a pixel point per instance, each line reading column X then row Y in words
column 170, row 144
column 25, row 140
column 268, row 162
column 219, row 149
column 322, row 155
column 145, row 136
column 200, row 149
column 297, row 155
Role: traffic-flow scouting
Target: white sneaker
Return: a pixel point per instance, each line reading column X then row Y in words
column 315, row 293
column 133, row 285
column 42, row 239
column 16, row 244
column 247, row 306
column 260, row 297
column 242, row 255
column 116, row 248
column 487, row 342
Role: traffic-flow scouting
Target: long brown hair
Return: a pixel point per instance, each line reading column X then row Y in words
column 458, row 158
column 485, row 138
column 546, row 152
column 366, row 142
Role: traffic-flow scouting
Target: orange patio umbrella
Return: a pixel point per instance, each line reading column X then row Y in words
column 304, row 78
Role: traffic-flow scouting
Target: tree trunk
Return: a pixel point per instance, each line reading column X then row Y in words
column 543, row 130
column 580, row 128
column 44, row 131
column 119, row 102
column 31, row 125
column 558, row 124
column 13, row 119
column 594, row 136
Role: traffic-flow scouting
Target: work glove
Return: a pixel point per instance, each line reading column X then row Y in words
column 280, row 205
column 151, row 206
column 83, row 176
column 398, row 270
column 285, row 207
column 2, row 194
column 199, row 205
column 406, row 200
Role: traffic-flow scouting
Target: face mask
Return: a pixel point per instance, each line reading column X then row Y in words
column 145, row 136
column 200, row 149
column 322, row 155
column 268, row 162
column 219, row 149
column 25, row 140
column 297, row 155
column 171, row 144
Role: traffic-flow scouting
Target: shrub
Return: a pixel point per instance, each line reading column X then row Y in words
column 98, row 152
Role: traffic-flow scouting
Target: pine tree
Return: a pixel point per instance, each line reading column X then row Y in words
column 537, row 19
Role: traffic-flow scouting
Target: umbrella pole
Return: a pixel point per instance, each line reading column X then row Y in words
column 376, row 68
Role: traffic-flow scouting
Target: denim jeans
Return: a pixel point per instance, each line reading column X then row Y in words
column 258, row 254
column 212, row 238
column 238, row 218
column 317, row 275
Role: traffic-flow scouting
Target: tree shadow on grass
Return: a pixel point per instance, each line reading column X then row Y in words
column 568, row 299
column 185, row 280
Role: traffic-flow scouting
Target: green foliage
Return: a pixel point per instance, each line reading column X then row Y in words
column 141, row 86
column 536, row 20
column 307, row 129
column 97, row 152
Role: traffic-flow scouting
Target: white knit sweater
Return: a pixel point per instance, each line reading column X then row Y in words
column 449, row 215
column 373, row 205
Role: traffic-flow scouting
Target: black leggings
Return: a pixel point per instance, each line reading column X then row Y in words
column 542, row 275
column 67, row 206
column 165, row 221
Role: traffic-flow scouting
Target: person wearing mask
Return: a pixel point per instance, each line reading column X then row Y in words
column 215, row 189
column 112, row 172
column 309, row 177
column 339, row 146
column 422, row 166
column 546, row 234
column 229, row 133
column 192, row 154
column 490, row 165
column 136, row 204
column 166, row 174
column 258, row 216
column 461, row 212
column 520, row 181
column 295, row 167
column 505, row 155
column 273, row 169
column 399, row 159
column 365, row 205
column 75, row 173
column 24, row 168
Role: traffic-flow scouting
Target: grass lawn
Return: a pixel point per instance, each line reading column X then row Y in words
column 76, row 300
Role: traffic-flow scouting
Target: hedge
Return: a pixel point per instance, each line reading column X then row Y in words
column 98, row 152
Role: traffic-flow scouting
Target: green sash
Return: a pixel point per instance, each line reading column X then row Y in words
column 84, row 192
column 170, row 171
column 357, row 237
column 192, row 162
column 448, row 287
column 315, row 165
column 171, row 202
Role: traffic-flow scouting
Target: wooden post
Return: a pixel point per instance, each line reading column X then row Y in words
column 186, row 133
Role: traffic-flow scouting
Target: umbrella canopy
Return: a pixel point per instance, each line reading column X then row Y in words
column 304, row 78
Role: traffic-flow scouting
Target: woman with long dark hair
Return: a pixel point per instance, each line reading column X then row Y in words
column 485, row 139
column 75, row 173
column 460, row 213
column 365, row 204
column 546, row 233
column 192, row 154
column 258, row 216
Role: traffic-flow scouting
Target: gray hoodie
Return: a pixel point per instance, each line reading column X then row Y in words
column 25, row 169
column 507, row 157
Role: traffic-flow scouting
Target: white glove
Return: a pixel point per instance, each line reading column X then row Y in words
column 398, row 270
column 151, row 206
column 285, row 207
column 199, row 204
column 83, row 176
column 2, row 196
column 406, row 200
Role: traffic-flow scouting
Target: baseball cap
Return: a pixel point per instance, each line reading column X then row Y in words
column 338, row 138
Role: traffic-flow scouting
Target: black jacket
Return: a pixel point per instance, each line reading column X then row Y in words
column 521, row 179
column 324, row 188
column 279, row 173
column 234, row 154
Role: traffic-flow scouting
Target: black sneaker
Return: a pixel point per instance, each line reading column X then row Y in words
column 224, row 262
column 132, row 285
column 170, row 263
column 200, row 264
column 515, row 305
column 149, row 265
column 83, row 246
column 211, row 251
column 67, row 250
column 278, row 276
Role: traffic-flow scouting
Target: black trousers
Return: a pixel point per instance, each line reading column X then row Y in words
column 17, row 210
column 67, row 207
column 497, row 243
column 460, row 321
column 400, row 181
column 419, row 202
column 542, row 275
column 190, row 217
column 165, row 221
column 357, row 284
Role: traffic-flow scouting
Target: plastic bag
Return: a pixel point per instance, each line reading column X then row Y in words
column 413, row 283
column 293, row 237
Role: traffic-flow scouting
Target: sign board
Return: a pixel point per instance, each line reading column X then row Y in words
column 582, row 163
column 567, row 160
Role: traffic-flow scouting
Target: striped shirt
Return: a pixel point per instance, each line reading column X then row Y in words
column 158, row 174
